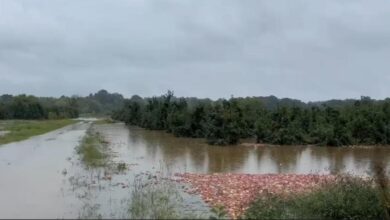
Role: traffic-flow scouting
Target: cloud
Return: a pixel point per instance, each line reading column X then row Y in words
column 309, row 50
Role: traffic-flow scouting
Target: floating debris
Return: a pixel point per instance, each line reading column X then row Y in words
column 64, row 172
column 107, row 178
column 235, row 192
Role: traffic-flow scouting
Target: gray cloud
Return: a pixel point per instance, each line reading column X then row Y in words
column 311, row 50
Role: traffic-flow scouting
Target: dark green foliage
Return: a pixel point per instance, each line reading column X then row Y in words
column 197, row 121
column 220, row 123
column 31, row 107
column 267, row 119
column 63, row 108
column 347, row 198
column 2, row 111
column 21, row 107
column 225, row 124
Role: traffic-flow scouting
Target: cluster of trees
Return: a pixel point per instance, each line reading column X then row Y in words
column 100, row 103
column 269, row 120
column 31, row 107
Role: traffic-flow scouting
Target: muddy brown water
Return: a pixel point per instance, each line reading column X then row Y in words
column 193, row 155
column 33, row 183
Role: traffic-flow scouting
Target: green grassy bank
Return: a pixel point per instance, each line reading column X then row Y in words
column 22, row 129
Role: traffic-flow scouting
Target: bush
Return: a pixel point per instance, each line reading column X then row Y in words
column 346, row 198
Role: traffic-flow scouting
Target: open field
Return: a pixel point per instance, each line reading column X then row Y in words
column 17, row 130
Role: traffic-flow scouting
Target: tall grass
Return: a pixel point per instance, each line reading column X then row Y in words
column 154, row 198
column 346, row 198
column 157, row 196
column 383, row 185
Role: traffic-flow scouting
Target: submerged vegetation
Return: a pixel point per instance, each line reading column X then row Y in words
column 17, row 130
column 282, row 122
column 154, row 198
column 157, row 196
column 93, row 149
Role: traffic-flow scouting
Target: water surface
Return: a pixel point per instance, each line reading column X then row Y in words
column 193, row 155
column 43, row 177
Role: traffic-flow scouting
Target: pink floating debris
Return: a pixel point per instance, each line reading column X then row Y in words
column 235, row 192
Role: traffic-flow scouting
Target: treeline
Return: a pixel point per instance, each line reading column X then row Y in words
column 31, row 107
column 100, row 103
column 283, row 122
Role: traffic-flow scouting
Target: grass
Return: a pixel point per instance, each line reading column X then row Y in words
column 156, row 196
column 93, row 149
column 23, row 129
column 154, row 199
column 121, row 167
column 346, row 198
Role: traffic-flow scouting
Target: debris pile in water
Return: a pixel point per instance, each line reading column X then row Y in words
column 235, row 192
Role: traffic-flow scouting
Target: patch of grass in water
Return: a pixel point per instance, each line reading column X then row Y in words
column 121, row 167
column 23, row 129
column 93, row 149
column 156, row 196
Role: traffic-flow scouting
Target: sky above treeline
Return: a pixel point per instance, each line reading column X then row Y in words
column 309, row 50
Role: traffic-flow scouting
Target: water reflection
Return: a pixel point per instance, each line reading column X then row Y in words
column 193, row 155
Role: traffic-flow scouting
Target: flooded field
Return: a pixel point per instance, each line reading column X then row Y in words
column 43, row 177
column 191, row 155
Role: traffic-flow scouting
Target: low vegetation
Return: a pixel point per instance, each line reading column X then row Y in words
column 18, row 130
column 93, row 149
column 346, row 198
column 156, row 196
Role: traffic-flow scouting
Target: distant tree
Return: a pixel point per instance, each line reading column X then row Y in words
column 2, row 111
column 26, row 107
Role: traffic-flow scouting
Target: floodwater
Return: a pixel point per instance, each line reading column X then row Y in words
column 42, row 177
column 193, row 155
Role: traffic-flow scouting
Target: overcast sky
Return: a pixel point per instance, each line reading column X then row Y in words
column 310, row 50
